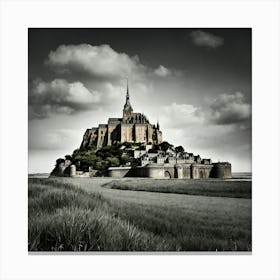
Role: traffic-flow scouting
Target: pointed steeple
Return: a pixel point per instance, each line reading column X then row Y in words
column 158, row 125
column 127, row 89
column 127, row 109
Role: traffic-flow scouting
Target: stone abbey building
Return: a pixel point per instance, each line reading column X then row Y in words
column 135, row 127
column 132, row 127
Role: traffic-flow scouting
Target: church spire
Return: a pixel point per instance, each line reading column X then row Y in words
column 127, row 92
column 127, row 109
column 127, row 89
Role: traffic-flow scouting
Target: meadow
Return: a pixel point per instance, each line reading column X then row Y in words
column 211, row 187
column 90, row 214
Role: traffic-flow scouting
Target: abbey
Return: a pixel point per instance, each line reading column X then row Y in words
column 132, row 127
column 147, row 158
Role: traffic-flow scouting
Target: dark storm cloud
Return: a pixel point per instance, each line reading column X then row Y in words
column 206, row 39
column 230, row 109
column 59, row 96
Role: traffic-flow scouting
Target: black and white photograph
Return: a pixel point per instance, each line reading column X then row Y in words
column 139, row 139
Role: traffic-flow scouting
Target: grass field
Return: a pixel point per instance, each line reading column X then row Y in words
column 88, row 215
column 235, row 188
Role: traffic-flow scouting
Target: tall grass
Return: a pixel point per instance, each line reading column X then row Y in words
column 63, row 217
column 190, row 230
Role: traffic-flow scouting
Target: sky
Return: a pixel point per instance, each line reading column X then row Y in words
column 195, row 82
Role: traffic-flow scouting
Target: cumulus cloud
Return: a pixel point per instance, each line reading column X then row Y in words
column 162, row 71
column 188, row 125
column 51, row 139
column 205, row 39
column 100, row 61
column 95, row 70
column 229, row 109
column 181, row 115
column 59, row 96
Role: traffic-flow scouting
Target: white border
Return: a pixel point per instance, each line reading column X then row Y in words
column 17, row 16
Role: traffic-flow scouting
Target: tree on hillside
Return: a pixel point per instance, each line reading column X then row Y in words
column 125, row 159
column 113, row 161
column 165, row 146
column 109, row 151
column 179, row 149
column 59, row 161
column 68, row 157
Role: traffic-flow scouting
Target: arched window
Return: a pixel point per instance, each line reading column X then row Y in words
column 167, row 174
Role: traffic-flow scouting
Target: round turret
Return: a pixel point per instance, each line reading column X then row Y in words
column 221, row 170
column 72, row 170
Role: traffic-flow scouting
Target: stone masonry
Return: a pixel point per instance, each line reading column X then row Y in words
column 132, row 127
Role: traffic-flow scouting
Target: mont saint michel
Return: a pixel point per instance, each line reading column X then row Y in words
column 149, row 156
column 139, row 140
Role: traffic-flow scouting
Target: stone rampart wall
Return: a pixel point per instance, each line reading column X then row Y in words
column 119, row 172
column 160, row 171
column 201, row 171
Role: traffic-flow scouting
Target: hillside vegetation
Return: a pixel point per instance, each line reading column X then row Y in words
column 108, row 156
column 84, row 217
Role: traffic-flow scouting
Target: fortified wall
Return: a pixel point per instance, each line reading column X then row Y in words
column 221, row 170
